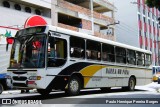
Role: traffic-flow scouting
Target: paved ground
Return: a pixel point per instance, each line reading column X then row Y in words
column 89, row 98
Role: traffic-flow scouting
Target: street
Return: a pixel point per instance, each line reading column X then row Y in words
column 93, row 96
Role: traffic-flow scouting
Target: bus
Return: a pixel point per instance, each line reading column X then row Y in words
column 49, row 57
column 156, row 74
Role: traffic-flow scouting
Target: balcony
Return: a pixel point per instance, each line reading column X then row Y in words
column 98, row 5
column 79, row 10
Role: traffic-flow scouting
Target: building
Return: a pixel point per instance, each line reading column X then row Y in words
column 85, row 16
column 71, row 14
column 138, row 26
column 13, row 16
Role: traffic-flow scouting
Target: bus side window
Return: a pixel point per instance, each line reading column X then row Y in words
column 147, row 59
column 94, row 50
column 120, row 55
column 77, row 47
column 131, row 57
column 140, row 59
column 108, row 53
column 57, row 52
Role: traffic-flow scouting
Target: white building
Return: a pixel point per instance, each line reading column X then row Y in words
column 13, row 16
column 138, row 26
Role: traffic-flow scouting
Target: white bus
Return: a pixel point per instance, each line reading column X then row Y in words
column 49, row 57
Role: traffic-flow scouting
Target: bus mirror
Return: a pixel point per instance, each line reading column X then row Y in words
column 9, row 40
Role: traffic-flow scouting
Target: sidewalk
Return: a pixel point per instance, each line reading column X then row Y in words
column 17, row 91
column 154, row 86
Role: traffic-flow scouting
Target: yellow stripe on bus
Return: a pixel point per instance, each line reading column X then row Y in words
column 90, row 71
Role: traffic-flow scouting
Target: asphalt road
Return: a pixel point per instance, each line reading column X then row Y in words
column 141, row 97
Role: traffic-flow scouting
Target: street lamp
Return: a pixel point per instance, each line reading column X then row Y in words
column 113, row 23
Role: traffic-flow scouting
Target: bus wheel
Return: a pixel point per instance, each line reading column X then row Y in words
column 1, row 88
column 131, row 84
column 106, row 89
column 43, row 91
column 74, row 86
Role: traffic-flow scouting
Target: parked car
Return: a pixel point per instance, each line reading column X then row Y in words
column 3, row 83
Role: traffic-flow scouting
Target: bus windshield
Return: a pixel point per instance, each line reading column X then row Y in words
column 28, row 51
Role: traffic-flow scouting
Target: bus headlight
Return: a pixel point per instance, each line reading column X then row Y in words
column 38, row 77
column 34, row 78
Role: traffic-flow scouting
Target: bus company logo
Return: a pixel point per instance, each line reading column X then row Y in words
column 6, row 101
column 117, row 71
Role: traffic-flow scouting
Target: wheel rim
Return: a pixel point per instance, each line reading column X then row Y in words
column 74, row 86
column 132, row 84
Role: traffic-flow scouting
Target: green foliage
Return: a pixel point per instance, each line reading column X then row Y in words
column 153, row 3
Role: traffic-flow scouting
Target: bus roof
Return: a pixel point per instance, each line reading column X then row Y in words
column 94, row 38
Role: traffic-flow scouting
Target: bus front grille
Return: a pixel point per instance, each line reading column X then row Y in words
column 16, row 78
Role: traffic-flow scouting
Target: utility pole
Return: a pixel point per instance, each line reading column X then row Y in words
column 92, row 19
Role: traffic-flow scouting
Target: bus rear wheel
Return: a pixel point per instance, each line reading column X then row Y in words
column 43, row 91
column 1, row 88
column 131, row 84
column 74, row 86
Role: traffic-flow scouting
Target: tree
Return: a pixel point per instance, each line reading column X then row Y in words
column 153, row 3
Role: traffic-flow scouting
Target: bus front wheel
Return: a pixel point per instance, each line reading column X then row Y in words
column 1, row 88
column 74, row 86
column 43, row 91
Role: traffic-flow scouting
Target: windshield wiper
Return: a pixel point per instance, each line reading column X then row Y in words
column 26, row 42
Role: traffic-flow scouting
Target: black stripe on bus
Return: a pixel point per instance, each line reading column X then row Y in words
column 59, row 82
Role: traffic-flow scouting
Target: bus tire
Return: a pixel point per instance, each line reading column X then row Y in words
column 131, row 84
column 43, row 91
column 1, row 88
column 74, row 86
column 106, row 89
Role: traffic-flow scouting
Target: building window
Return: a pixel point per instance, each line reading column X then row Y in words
column 146, row 48
column 38, row 12
column 144, row 19
column 28, row 9
column 153, row 24
column 149, row 23
column 140, row 34
column 6, row 4
column 17, row 7
column 139, row 17
column 148, row 14
column 143, row 11
column 145, row 34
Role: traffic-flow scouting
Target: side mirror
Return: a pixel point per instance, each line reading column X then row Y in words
column 9, row 40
